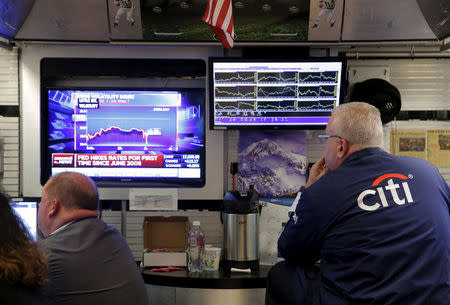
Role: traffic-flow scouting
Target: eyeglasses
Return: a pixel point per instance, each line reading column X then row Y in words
column 324, row 137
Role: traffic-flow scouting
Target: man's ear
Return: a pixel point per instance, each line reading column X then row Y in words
column 343, row 149
column 54, row 207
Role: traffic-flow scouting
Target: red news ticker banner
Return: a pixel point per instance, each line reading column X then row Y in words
column 106, row 160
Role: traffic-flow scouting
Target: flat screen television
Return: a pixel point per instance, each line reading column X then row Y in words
column 26, row 209
column 274, row 93
column 125, row 137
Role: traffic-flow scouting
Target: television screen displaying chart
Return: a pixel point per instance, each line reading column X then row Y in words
column 137, row 137
column 274, row 94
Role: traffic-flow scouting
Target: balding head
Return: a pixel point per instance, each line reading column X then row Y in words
column 74, row 190
column 66, row 197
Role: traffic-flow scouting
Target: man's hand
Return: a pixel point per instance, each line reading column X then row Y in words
column 317, row 171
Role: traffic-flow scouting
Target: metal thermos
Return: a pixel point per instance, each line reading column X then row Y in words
column 241, row 233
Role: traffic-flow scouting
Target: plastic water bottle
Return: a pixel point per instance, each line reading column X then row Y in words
column 196, row 248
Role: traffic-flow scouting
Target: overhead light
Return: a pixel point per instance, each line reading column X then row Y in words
column 293, row 9
column 239, row 4
column 266, row 7
column 157, row 9
column 185, row 4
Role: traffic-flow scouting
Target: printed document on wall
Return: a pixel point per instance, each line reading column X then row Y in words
column 439, row 147
column 408, row 142
column 147, row 199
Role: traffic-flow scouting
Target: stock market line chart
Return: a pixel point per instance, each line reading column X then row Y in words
column 260, row 93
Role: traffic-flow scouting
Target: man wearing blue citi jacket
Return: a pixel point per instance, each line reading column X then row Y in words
column 379, row 224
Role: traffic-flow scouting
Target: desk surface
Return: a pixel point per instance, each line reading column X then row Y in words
column 208, row 279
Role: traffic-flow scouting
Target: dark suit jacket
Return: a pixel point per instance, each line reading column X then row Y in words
column 20, row 295
column 89, row 262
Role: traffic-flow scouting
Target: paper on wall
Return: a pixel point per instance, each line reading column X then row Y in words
column 153, row 199
column 439, row 147
column 410, row 143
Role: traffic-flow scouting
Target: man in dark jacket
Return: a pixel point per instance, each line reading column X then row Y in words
column 378, row 223
column 89, row 262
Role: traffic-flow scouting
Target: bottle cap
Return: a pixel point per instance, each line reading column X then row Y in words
column 196, row 223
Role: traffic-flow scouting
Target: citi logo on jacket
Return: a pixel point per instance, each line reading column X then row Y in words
column 373, row 199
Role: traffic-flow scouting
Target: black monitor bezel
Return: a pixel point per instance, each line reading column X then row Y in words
column 212, row 60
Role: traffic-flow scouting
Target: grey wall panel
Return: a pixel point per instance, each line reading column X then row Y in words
column 113, row 218
column 384, row 20
column 424, row 84
column 9, row 77
column 9, row 126
column 66, row 20
column 9, row 175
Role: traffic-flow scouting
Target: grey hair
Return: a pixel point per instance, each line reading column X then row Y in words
column 359, row 123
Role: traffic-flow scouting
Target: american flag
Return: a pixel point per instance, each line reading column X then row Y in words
column 219, row 17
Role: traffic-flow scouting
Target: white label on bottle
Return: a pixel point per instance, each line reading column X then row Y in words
column 193, row 242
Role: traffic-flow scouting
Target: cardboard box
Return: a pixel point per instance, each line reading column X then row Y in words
column 168, row 233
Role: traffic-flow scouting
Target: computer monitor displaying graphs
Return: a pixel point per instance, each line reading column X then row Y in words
column 26, row 210
column 151, row 137
column 267, row 94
